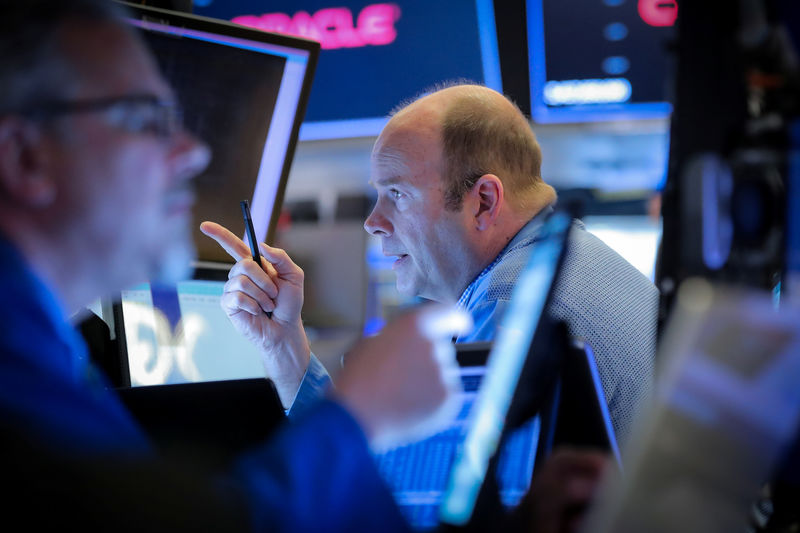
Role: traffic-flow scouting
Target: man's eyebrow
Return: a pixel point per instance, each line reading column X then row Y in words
column 387, row 181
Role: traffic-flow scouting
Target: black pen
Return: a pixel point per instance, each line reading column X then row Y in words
column 251, row 236
column 251, row 233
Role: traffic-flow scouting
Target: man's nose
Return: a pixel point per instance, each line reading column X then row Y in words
column 190, row 156
column 376, row 224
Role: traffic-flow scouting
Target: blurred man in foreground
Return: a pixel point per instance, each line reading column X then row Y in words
column 95, row 196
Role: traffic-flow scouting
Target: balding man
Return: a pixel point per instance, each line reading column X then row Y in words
column 460, row 204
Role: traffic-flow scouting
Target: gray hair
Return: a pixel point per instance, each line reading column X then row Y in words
column 32, row 67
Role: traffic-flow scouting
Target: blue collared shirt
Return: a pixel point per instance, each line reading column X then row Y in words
column 602, row 298
column 476, row 299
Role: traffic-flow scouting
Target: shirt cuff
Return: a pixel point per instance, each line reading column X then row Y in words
column 315, row 383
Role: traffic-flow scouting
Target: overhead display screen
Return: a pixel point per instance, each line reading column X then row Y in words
column 595, row 60
column 375, row 54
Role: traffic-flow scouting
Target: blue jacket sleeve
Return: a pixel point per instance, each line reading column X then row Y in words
column 317, row 474
column 316, row 382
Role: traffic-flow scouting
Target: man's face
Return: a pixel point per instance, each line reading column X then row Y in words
column 434, row 257
column 127, row 184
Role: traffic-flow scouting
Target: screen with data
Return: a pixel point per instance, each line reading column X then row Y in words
column 600, row 60
column 180, row 334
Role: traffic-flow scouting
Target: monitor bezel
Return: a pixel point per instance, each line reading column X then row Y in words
column 188, row 21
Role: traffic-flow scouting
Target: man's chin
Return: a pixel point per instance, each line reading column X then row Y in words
column 176, row 263
column 406, row 288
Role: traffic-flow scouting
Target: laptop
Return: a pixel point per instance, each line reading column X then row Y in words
column 192, row 381
column 215, row 421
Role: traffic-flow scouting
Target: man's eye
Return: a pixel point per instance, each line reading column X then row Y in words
column 395, row 194
column 135, row 119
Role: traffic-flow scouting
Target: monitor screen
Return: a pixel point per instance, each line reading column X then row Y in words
column 375, row 54
column 486, row 422
column 244, row 93
column 180, row 334
column 597, row 61
column 635, row 237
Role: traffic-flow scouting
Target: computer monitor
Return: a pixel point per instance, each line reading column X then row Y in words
column 600, row 61
column 375, row 54
column 581, row 416
column 427, row 478
column 244, row 92
column 191, row 381
column 171, row 334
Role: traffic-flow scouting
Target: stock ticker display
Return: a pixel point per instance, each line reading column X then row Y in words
column 600, row 59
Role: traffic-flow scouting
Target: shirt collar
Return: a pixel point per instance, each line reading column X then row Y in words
column 530, row 229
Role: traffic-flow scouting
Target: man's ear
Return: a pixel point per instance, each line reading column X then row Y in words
column 487, row 198
column 24, row 174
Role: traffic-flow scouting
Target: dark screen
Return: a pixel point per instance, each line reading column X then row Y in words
column 575, row 40
column 228, row 95
column 435, row 41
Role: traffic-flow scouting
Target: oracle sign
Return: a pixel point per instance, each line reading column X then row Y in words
column 333, row 27
column 375, row 53
column 658, row 12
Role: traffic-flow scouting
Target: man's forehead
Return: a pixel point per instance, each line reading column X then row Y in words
column 388, row 161
column 110, row 59
column 407, row 158
column 409, row 137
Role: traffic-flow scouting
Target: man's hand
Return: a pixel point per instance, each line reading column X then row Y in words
column 403, row 384
column 252, row 291
column 562, row 490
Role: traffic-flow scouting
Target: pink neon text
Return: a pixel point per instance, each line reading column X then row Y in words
column 333, row 27
column 658, row 12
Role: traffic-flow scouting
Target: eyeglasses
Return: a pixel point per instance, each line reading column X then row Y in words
column 138, row 114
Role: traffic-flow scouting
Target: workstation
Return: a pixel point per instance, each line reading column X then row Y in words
column 670, row 133
column 609, row 156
